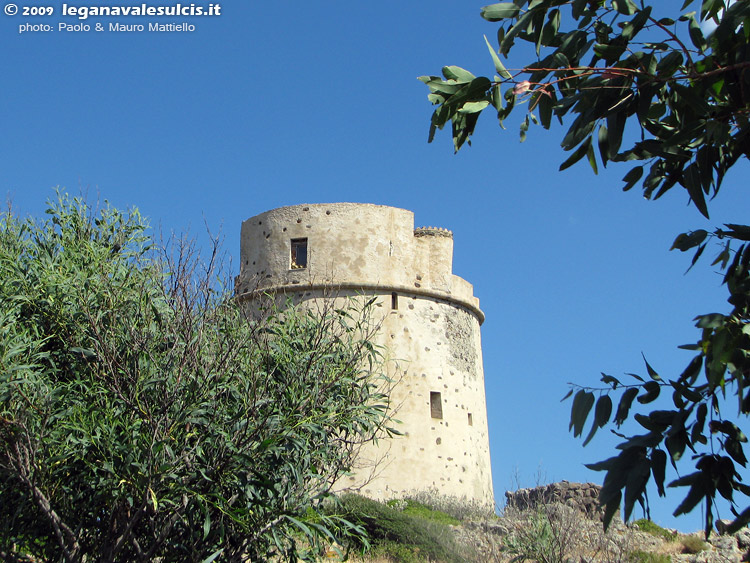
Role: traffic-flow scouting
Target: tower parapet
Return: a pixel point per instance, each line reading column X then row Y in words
column 432, row 231
column 430, row 325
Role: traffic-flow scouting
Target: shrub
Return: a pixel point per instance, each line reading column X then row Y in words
column 654, row 529
column 398, row 553
column 419, row 510
column 458, row 508
column 396, row 534
column 639, row 556
column 692, row 544
column 143, row 417
column 549, row 534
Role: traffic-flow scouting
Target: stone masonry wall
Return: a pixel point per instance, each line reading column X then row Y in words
column 581, row 496
column 429, row 325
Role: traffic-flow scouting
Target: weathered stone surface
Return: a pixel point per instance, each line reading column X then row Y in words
column 584, row 497
column 429, row 328
column 724, row 543
column 743, row 538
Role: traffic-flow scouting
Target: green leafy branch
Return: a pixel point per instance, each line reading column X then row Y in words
column 695, row 421
column 691, row 105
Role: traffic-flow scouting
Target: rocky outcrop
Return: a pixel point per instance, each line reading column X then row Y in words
column 583, row 497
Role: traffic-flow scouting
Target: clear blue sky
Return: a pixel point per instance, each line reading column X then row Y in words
column 274, row 104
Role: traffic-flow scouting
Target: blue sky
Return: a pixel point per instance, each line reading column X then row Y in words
column 275, row 104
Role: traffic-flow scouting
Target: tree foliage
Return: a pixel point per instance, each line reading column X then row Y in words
column 143, row 415
column 603, row 65
column 634, row 86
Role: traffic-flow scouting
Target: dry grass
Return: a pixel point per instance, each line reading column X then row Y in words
column 555, row 533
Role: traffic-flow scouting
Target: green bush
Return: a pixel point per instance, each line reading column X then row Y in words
column 639, row 556
column 144, row 416
column 458, row 508
column 419, row 510
column 654, row 529
column 398, row 553
column 400, row 535
column 692, row 544
column 551, row 533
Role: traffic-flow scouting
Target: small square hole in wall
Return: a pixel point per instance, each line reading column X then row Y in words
column 299, row 253
column 471, row 420
column 436, row 404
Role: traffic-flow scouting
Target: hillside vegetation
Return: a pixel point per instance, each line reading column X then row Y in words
column 429, row 528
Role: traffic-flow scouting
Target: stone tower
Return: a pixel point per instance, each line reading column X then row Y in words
column 430, row 325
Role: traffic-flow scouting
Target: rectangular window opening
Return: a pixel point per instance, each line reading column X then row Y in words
column 436, row 404
column 394, row 301
column 471, row 420
column 299, row 253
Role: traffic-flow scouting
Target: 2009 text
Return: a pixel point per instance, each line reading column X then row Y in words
column 37, row 10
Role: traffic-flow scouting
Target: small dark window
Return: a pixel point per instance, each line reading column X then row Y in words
column 436, row 404
column 299, row 253
column 394, row 301
column 471, row 420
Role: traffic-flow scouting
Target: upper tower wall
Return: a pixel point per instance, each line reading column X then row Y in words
column 350, row 244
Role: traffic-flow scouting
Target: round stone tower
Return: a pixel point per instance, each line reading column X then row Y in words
column 430, row 325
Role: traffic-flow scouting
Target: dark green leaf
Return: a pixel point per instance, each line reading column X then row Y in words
column 651, row 371
column 603, row 144
column 634, row 26
column 617, row 476
column 499, row 67
column 601, row 416
column 577, row 155
column 711, row 321
column 458, row 74
column 739, row 232
column 730, row 429
column 500, row 11
column 579, row 130
column 592, row 432
column 602, row 465
column 546, row 102
column 685, row 480
column 609, row 52
column 615, row 127
column 696, row 256
column 625, row 7
column 652, row 389
column 611, row 509
column 669, row 63
column 641, row 441
column 691, row 181
column 582, row 403
column 734, row 448
column 603, row 410
column 658, row 469
column 676, row 444
column 686, row 241
column 698, row 491
column 213, row 556
column 624, row 406
column 696, row 34
column 592, row 158
column 632, row 177
column 648, row 423
column 206, row 524
column 635, row 486
column 700, row 420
